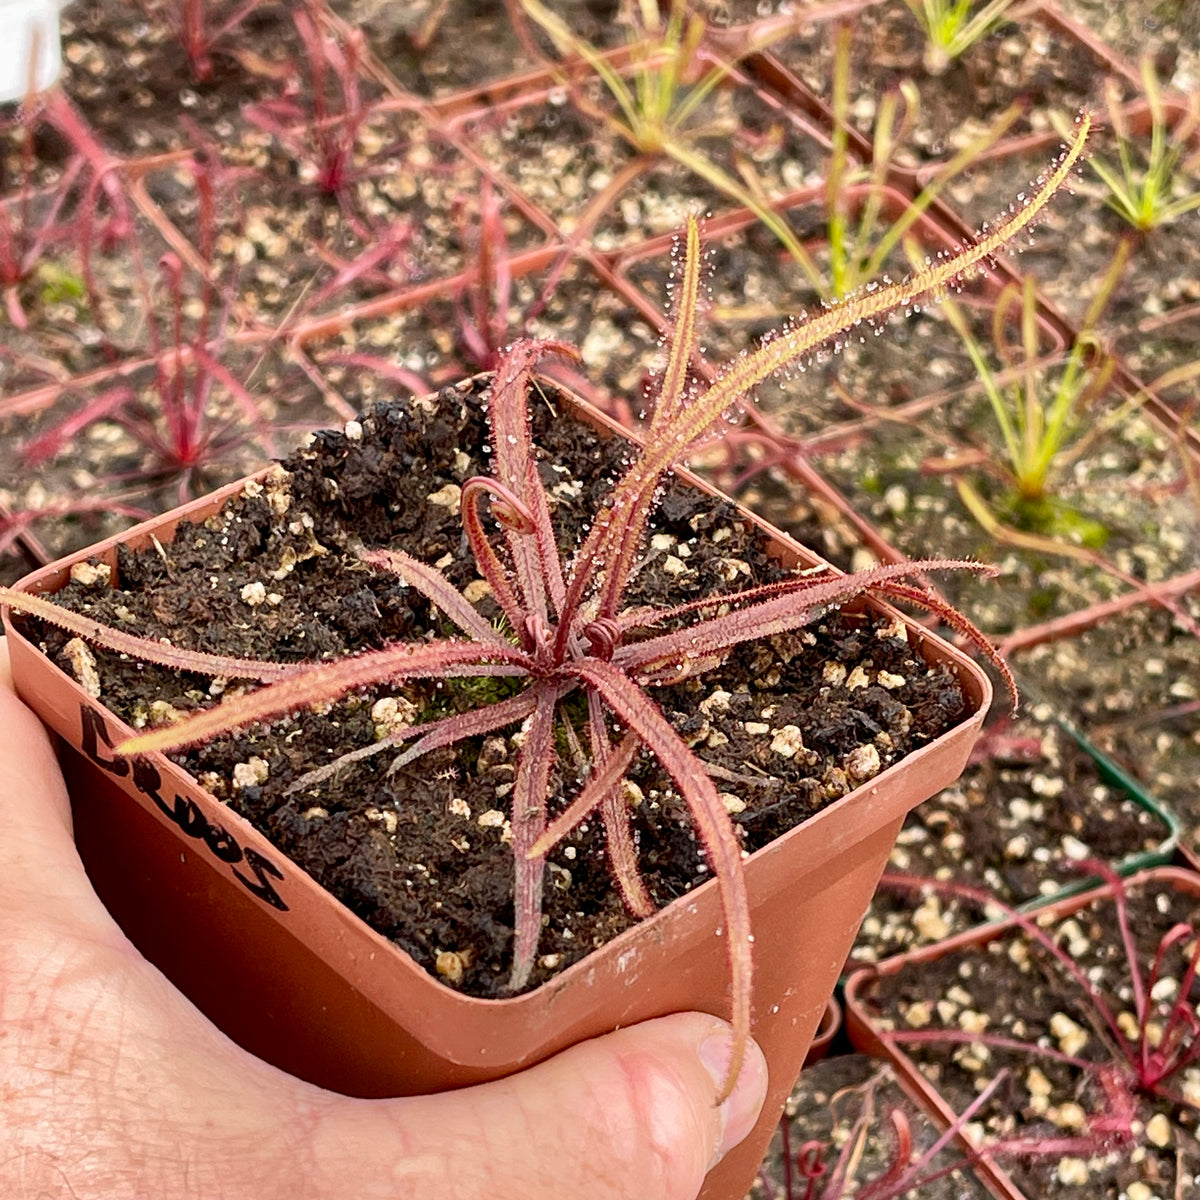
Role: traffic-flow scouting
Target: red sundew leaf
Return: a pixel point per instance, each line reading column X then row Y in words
column 15, row 524
column 618, row 534
column 469, row 724
column 640, row 618
column 483, row 301
column 608, row 770
column 810, row 1161
column 778, row 614
column 614, row 811
column 147, row 649
column 545, row 542
column 637, row 711
column 495, row 269
column 381, row 367
column 48, row 444
column 528, row 820
column 900, row 1156
column 612, row 546
column 486, row 558
column 435, row 587
column 903, row 1177
column 633, row 501
column 199, row 29
column 673, row 389
column 327, row 681
column 25, row 240
column 863, row 307
column 515, row 467
column 1178, row 1044
column 392, row 243
column 958, row 1037
column 958, row 621
column 274, row 117
column 250, row 406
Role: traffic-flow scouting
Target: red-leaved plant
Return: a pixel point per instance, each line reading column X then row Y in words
column 320, row 124
column 569, row 625
column 818, row 1171
column 1148, row 1054
column 201, row 24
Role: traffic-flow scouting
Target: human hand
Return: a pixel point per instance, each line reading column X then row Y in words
column 114, row 1087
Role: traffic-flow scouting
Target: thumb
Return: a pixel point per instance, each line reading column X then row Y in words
column 632, row 1113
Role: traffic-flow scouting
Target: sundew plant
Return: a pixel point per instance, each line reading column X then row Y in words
column 567, row 624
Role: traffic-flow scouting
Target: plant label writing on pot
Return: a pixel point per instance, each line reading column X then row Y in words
column 182, row 811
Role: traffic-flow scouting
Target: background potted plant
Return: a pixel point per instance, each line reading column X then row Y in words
column 1086, row 1005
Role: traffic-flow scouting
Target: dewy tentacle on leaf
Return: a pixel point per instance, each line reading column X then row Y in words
column 147, row 649
column 536, row 564
column 803, row 338
column 430, row 735
column 434, row 586
column 327, row 681
column 608, row 771
column 777, row 614
column 486, row 558
column 528, row 820
column 615, row 812
column 672, row 392
column 794, row 343
column 961, row 624
column 636, row 710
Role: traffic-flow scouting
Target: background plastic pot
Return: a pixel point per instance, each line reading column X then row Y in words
column 300, row 980
column 869, row 1035
column 30, row 47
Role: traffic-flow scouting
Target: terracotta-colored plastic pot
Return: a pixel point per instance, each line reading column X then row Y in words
column 868, row 1036
column 300, row 980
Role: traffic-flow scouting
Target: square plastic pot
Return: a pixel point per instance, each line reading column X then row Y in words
column 298, row 979
column 869, row 1035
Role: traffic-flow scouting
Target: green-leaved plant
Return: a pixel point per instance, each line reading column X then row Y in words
column 659, row 100
column 860, row 238
column 952, row 27
column 1149, row 185
column 1047, row 415
column 570, row 626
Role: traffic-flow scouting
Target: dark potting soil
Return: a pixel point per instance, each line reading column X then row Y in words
column 1013, row 988
column 423, row 855
column 1016, row 825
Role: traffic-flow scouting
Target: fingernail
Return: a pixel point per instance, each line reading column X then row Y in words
column 739, row 1111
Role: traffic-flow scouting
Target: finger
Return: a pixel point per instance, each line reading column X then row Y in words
column 33, row 797
column 41, row 876
column 630, row 1114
